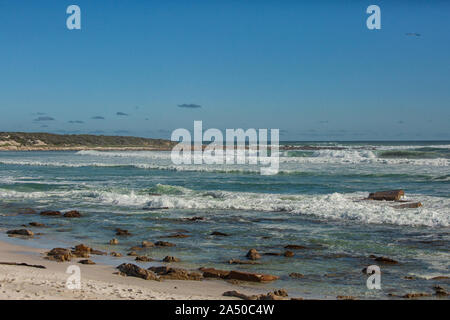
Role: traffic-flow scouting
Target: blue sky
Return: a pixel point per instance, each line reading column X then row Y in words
column 311, row 69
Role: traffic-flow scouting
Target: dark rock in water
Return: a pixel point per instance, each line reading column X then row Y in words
column 116, row 254
column 136, row 248
column 122, row 232
column 164, row 244
column 133, row 270
column 36, row 224
column 132, row 253
column 385, row 260
column 20, row 232
column 27, row 211
column 175, row 273
column 296, row 275
column 147, row 244
column 440, row 291
column 288, row 254
column 214, row 273
column 252, row 254
column 390, row 195
column 237, row 261
column 194, row 219
column 86, row 261
column 294, row 247
column 409, row 278
column 50, row 213
column 412, row 205
column 416, row 295
column 176, row 235
column 143, row 259
column 171, row 259
column 251, row 277
column 98, row 252
column 72, row 214
column 59, row 254
column 114, row 242
column 218, row 233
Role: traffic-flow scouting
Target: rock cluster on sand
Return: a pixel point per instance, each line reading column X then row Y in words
column 175, row 273
column 133, row 270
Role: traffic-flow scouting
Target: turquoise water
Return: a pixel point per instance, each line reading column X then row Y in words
column 314, row 201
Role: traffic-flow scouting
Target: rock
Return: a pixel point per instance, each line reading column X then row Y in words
column 20, row 232
column 23, row 264
column 72, row 214
column 412, row 205
column 59, row 254
column 176, row 273
column 390, row 195
column 133, row 270
column 221, row 234
column 177, row 235
column 98, row 252
column 122, row 232
column 251, row 277
column 296, row 275
column 171, row 259
column 252, row 254
column 214, row 273
column 288, row 254
column 147, row 244
column 239, row 295
column 386, row 260
column 116, row 254
column 81, row 251
column 86, row 261
column 164, row 244
column 194, row 219
column 345, row 298
column 294, row 247
column 439, row 291
column 409, row 278
column 114, row 242
column 143, row 259
column 416, row 295
column 135, row 248
column 36, row 224
column 237, row 261
column 50, row 213
column 132, row 253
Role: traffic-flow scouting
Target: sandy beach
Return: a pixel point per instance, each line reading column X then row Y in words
column 97, row 281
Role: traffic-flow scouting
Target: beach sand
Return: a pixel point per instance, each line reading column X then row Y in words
column 97, row 281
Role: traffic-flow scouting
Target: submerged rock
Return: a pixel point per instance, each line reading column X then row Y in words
column 116, row 254
column 114, row 242
column 36, row 224
column 164, row 244
column 296, row 275
column 171, row 259
column 194, row 219
column 143, row 259
column 177, row 235
column 412, row 205
column 440, row 291
column 72, row 214
column 384, row 260
column 237, row 261
column 20, row 232
column 252, row 254
column 122, row 232
column 416, row 295
column 295, row 247
column 218, row 233
column 27, row 211
column 133, row 270
column 147, row 244
column 288, row 254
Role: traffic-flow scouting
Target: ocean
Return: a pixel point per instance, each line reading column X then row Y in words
column 316, row 200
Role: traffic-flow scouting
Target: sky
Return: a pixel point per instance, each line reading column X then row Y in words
column 309, row 68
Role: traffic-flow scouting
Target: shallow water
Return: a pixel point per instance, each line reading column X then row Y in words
column 314, row 201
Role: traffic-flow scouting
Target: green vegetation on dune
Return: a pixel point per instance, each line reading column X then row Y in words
column 49, row 140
